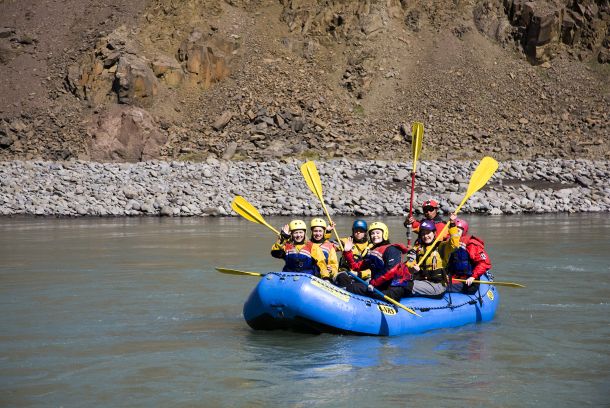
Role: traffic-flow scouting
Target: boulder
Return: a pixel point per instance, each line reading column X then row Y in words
column 205, row 62
column 124, row 133
column 135, row 83
column 168, row 70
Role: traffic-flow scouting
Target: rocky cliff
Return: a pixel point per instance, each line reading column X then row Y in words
column 131, row 81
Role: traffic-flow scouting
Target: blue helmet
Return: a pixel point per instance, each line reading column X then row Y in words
column 359, row 224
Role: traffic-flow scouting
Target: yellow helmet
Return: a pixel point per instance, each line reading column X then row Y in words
column 318, row 222
column 380, row 226
column 297, row 225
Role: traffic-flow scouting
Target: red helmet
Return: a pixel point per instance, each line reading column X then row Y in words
column 427, row 225
column 430, row 203
column 462, row 224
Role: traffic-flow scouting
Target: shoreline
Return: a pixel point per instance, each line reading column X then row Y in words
column 358, row 188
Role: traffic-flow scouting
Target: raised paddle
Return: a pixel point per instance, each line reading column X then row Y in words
column 486, row 168
column 416, row 144
column 247, row 210
column 237, row 272
column 508, row 284
column 312, row 178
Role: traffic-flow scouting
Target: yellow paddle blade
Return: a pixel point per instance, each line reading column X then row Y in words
column 236, row 272
column 312, row 178
column 486, row 168
column 416, row 141
column 507, row 284
column 242, row 207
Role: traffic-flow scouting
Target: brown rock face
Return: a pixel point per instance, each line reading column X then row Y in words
column 205, row 63
column 135, row 83
column 542, row 26
column 114, row 72
column 125, row 133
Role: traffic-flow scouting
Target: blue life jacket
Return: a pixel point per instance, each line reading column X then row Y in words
column 300, row 261
column 459, row 263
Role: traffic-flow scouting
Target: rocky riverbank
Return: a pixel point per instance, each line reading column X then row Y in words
column 77, row 188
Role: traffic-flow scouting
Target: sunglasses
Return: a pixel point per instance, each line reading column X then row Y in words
column 429, row 209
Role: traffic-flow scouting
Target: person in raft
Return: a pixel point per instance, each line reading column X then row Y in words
column 299, row 254
column 469, row 262
column 319, row 236
column 381, row 257
column 361, row 244
column 430, row 209
column 409, row 279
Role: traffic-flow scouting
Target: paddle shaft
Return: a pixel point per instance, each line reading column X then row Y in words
column 331, row 221
column 378, row 292
column 507, row 284
column 238, row 272
column 411, row 208
column 416, row 145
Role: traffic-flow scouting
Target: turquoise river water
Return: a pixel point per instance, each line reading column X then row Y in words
column 129, row 312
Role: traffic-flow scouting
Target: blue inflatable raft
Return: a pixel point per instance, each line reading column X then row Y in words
column 304, row 303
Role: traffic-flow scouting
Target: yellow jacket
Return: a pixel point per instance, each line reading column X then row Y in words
column 439, row 257
column 360, row 250
column 300, row 253
column 328, row 247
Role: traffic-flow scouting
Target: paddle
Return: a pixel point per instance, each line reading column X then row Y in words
column 380, row 293
column 237, row 272
column 416, row 144
column 246, row 273
column 508, row 284
column 312, row 178
column 486, row 168
column 247, row 210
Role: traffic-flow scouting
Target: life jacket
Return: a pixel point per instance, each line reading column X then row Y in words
column 376, row 261
column 359, row 251
column 326, row 246
column 300, row 260
column 431, row 272
column 459, row 263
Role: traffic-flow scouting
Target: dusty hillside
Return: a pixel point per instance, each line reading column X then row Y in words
column 131, row 80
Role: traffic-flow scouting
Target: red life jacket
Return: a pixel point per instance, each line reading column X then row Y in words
column 375, row 259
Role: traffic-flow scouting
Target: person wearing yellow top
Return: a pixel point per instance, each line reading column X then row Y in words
column 361, row 246
column 299, row 254
column 318, row 237
column 430, row 278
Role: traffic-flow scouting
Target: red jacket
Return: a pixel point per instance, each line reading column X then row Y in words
column 478, row 256
column 399, row 275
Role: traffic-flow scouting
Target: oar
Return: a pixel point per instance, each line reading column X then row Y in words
column 312, row 178
column 242, row 207
column 237, row 272
column 380, row 293
column 508, row 284
column 486, row 168
column 416, row 144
